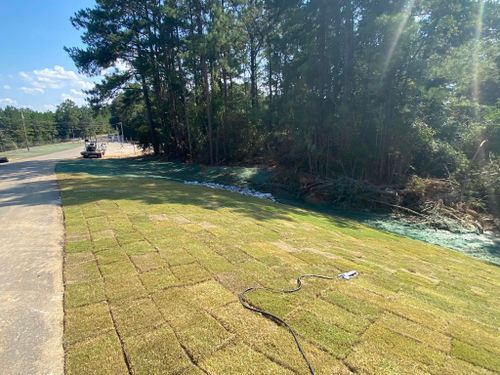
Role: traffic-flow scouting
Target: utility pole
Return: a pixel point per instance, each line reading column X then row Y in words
column 121, row 126
column 25, row 133
column 2, row 148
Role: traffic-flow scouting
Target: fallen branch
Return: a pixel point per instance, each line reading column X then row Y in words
column 401, row 208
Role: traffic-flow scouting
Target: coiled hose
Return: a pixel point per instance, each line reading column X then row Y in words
column 244, row 302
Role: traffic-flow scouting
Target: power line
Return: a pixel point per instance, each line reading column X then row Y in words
column 25, row 133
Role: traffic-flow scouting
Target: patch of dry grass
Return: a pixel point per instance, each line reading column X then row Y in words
column 152, row 280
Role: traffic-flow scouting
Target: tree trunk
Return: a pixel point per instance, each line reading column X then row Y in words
column 224, row 114
column 206, row 86
column 149, row 110
column 253, row 73
column 270, row 88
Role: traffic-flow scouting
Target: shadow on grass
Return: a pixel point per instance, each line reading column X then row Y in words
column 157, row 170
column 151, row 172
column 152, row 168
column 77, row 191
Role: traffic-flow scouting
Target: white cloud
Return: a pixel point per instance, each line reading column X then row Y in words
column 56, row 78
column 6, row 87
column 7, row 101
column 119, row 66
column 32, row 90
column 79, row 100
column 49, row 107
column 77, row 92
column 65, row 96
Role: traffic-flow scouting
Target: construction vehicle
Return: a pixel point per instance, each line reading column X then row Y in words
column 93, row 149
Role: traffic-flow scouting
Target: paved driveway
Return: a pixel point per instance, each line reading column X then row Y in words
column 31, row 287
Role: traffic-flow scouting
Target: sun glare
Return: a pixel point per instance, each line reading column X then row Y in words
column 476, row 57
column 399, row 31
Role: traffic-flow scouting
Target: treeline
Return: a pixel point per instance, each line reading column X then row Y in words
column 19, row 126
column 374, row 90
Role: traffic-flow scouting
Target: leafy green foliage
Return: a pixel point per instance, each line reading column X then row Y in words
column 68, row 121
column 372, row 90
column 40, row 128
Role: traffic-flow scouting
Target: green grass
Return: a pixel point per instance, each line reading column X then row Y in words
column 153, row 269
column 482, row 246
column 22, row 153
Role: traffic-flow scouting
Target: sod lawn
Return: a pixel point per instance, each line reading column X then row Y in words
column 153, row 269
column 22, row 153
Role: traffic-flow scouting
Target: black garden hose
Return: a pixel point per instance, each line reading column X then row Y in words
column 278, row 320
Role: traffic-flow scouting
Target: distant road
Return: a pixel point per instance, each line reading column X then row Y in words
column 22, row 153
column 31, row 251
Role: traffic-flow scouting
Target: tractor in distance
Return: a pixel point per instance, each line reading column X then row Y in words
column 93, row 149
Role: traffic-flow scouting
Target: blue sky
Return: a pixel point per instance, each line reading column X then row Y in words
column 35, row 71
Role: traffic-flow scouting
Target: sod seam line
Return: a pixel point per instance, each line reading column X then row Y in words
column 471, row 363
column 64, row 259
column 411, row 312
column 91, row 338
column 249, row 343
column 298, row 307
column 120, row 339
column 280, row 321
column 184, row 349
column 217, row 320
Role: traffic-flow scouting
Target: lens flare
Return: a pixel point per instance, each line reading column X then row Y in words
column 476, row 51
column 397, row 35
column 480, row 154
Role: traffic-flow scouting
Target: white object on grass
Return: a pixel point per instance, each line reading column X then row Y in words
column 348, row 275
column 233, row 189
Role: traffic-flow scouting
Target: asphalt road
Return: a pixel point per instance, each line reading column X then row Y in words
column 31, row 251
